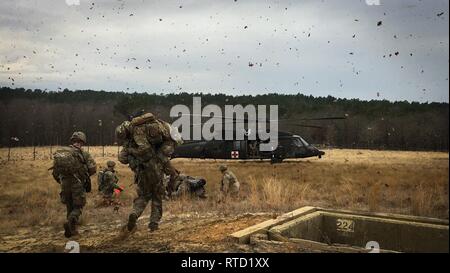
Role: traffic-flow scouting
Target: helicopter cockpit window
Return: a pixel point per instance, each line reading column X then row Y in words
column 304, row 142
column 298, row 143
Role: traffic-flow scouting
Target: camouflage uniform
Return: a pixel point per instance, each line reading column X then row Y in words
column 146, row 151
column 163, row 145
column 109, row 182
column 73, row 187
column 229, row 184
column 166, row 148
column 184, row 185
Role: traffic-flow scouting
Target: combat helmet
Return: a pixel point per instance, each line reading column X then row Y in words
column 78, row 136
column 223, row 168
column 110, row 164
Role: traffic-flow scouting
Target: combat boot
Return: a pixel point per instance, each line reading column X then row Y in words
column 70, row 227
column 132, row 219
column 153, row 226
column 67, row 231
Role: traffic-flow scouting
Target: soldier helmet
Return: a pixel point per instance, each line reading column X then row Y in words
column 223, row 168
column 78, row 136
column 122, row 131
column 111, row 164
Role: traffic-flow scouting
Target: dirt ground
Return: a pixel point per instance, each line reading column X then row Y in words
column 31, row 216
column 178, row 233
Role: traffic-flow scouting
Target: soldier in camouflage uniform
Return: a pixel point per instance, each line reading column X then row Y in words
column 164, row 148
column 185, row 185
column 147, row 146
column 74, row 185
column 108, row 183
column 229, row 184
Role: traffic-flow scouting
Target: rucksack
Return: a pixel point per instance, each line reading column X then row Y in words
column 68, row 161
column 148, row 117
column 100, row 180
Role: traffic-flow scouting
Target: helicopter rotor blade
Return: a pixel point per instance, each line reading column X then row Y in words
column 324, row 118
column 246, row 120
column 289, row 122
column 293, row 124
column 307, row 126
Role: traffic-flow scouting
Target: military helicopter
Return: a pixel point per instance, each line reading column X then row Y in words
column 289, row 146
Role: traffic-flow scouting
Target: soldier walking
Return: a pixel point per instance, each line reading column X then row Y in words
column 147, row 147
column 72, row 168
column 108, row 184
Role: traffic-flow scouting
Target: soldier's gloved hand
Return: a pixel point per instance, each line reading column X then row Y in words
column 132, row 163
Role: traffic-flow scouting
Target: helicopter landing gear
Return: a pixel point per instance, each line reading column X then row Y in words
column 274, row 160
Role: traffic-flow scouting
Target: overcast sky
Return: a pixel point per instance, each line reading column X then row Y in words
column 328, row 47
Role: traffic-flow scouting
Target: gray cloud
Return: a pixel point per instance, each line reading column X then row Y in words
column 312, row 47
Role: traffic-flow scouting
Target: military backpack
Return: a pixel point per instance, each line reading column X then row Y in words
column 68, row 161
column 101, row 180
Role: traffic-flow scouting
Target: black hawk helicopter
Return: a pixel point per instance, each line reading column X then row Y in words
column 289, row 146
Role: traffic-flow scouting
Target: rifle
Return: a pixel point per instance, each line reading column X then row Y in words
column 88, row 184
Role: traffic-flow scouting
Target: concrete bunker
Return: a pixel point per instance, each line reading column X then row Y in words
column 349, row 231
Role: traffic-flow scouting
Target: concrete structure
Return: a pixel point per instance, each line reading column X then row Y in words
column 349, row 231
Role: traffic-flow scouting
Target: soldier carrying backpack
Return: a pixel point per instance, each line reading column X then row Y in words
column 72, row 168
column 108, row 185
column 147, row 146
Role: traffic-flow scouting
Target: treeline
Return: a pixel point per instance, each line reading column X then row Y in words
column 37, row 117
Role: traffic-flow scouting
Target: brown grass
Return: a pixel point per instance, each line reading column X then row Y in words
column 383, row 181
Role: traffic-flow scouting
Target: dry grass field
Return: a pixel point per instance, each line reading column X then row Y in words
column 413, row 183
